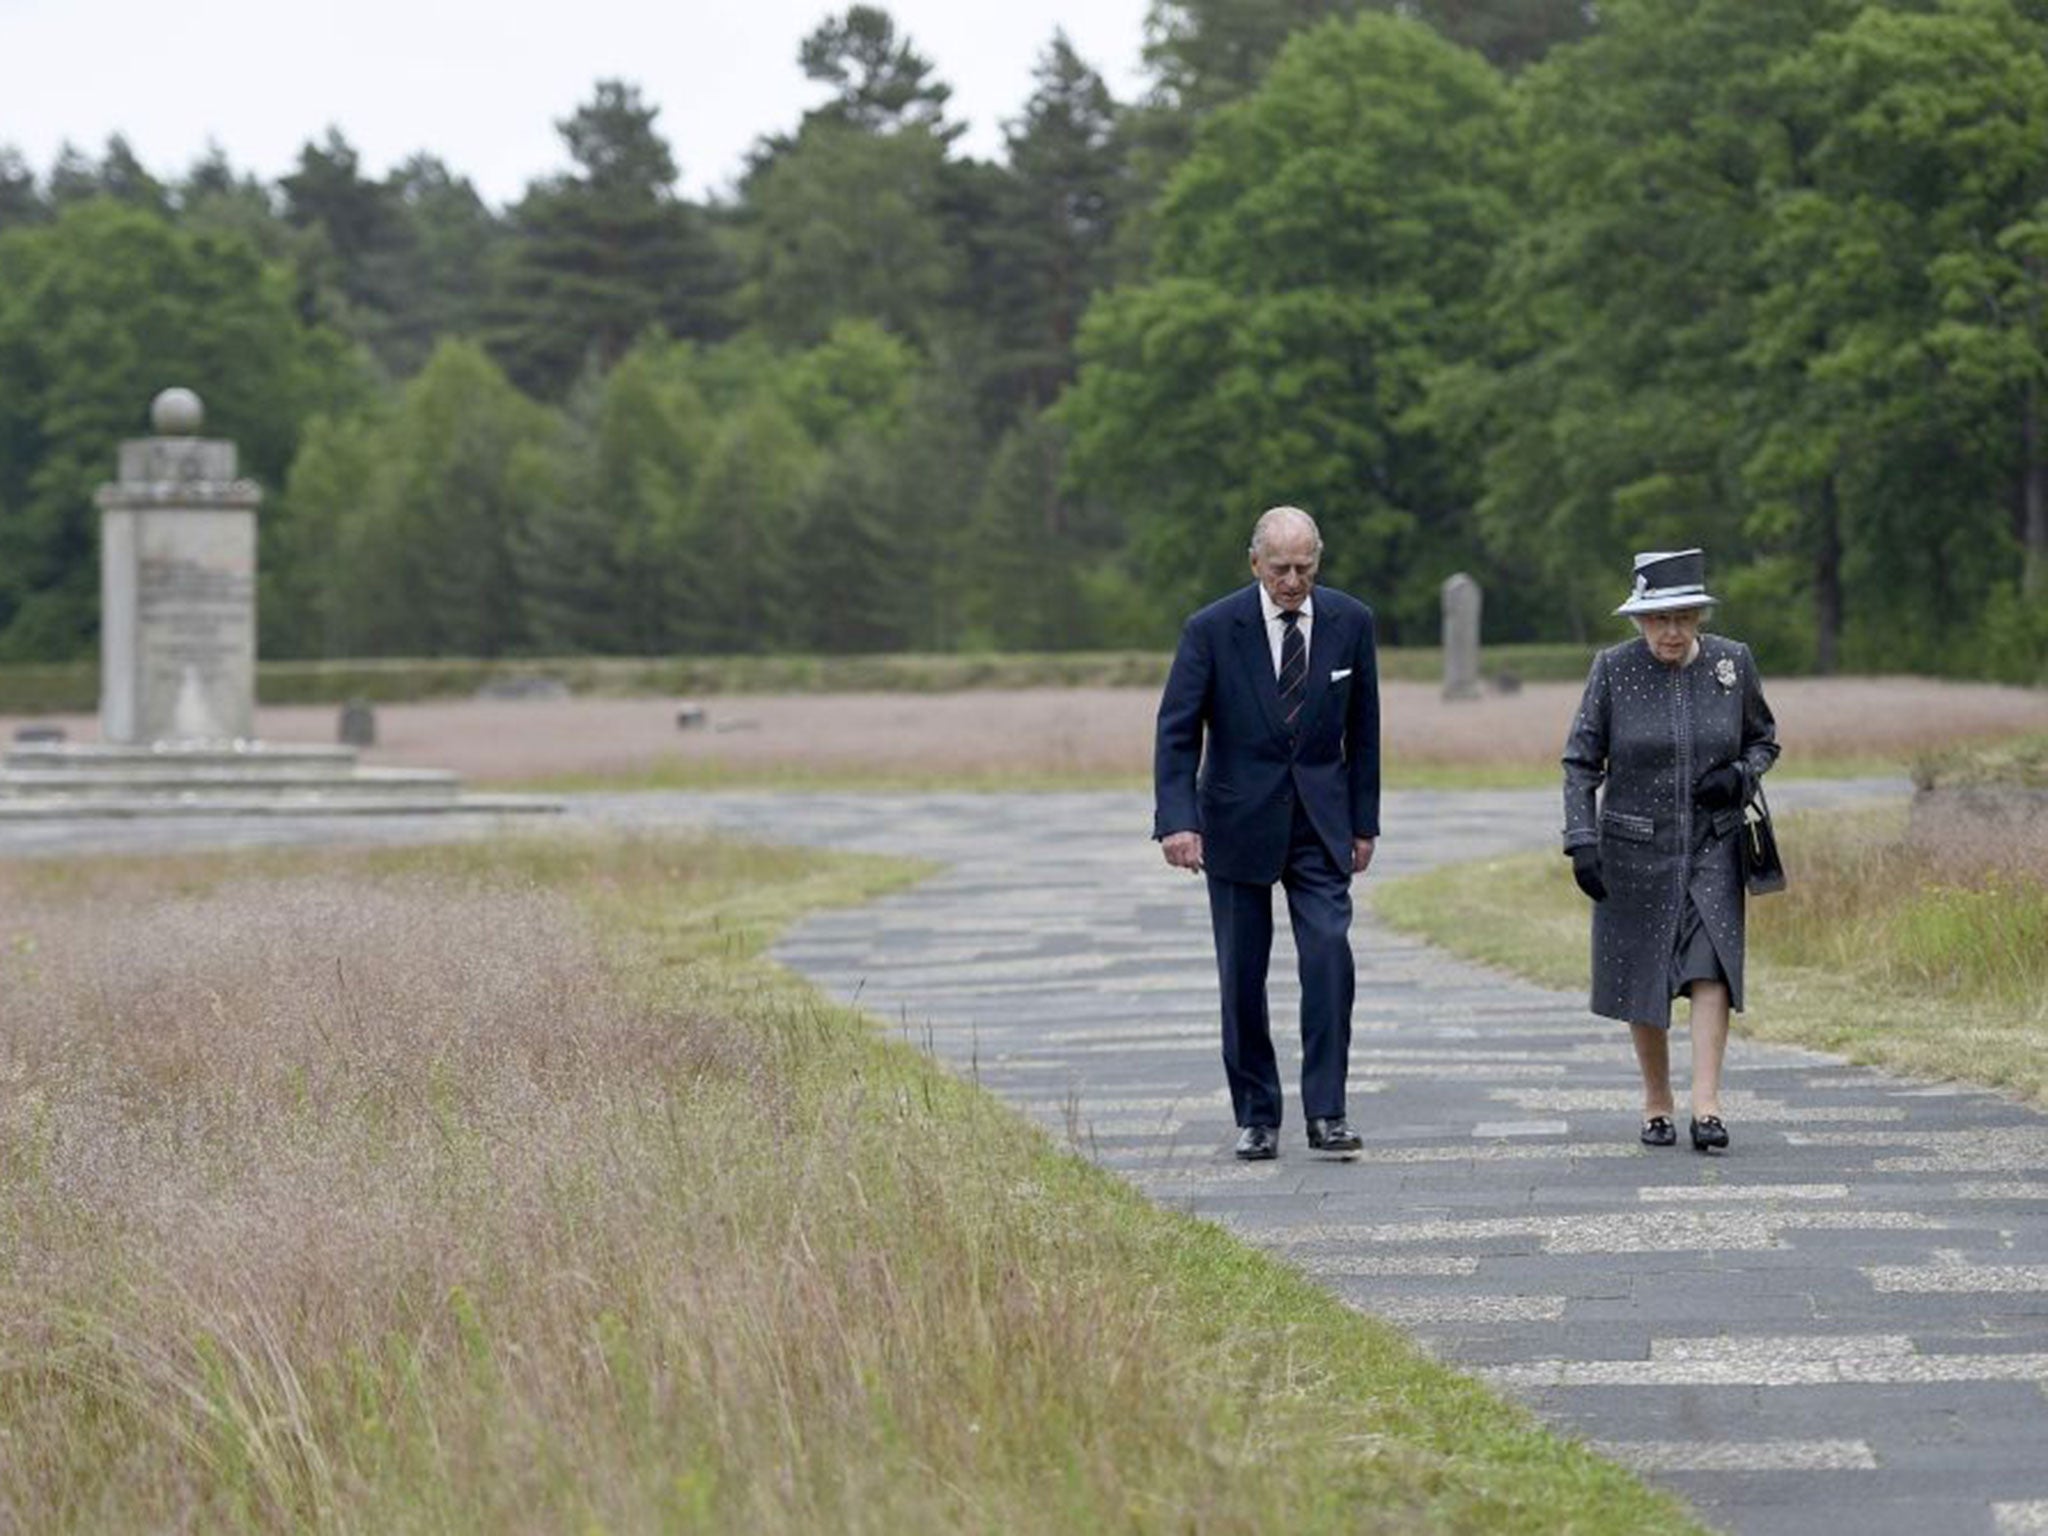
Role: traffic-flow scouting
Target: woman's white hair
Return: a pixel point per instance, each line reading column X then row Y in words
column 1274, row 520
column 1697, row 615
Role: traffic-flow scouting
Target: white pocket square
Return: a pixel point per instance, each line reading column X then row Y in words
column 1340, row 674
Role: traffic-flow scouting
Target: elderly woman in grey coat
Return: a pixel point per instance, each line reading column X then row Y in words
column 1674, row 724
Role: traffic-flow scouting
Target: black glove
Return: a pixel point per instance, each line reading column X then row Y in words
column 1718, row 788
column 1586, row 870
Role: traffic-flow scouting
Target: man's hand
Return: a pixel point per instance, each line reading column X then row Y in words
column 1183, row 850
column 1361, row 853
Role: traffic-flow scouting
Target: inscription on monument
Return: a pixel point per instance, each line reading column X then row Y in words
column 198, row 614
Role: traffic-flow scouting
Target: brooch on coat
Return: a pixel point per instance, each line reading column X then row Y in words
column 1724, row 672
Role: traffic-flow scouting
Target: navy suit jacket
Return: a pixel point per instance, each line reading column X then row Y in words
column 1223, row 763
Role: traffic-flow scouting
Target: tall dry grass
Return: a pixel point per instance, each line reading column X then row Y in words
column 1924, row 953
column 279, row 1157
column 1956, row 915
column 415, row 1194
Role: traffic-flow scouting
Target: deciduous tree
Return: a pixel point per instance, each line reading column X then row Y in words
column 98, row 312
column 1320, row 257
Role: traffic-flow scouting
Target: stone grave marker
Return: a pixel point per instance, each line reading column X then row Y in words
column 358, row 725
column 1461, row 601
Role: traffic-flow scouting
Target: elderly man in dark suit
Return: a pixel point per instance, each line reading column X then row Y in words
column 1266, row 770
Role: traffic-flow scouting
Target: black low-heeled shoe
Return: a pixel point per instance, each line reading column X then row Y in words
column 1658, row 1131
column 1708, row 1133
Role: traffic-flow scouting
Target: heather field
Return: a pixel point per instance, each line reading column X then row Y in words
column 505, row 1189
column 1103, row 735
column 1054, row 737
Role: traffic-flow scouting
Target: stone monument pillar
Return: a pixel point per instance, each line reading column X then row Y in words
column 178, row 667
column 1461, row 637
column 177, row 587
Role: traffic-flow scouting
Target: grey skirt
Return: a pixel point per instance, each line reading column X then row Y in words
column 1693, row 956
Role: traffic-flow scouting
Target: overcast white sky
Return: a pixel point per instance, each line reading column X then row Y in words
column 482, row 84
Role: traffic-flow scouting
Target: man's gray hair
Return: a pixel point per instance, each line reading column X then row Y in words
column 1291, row 519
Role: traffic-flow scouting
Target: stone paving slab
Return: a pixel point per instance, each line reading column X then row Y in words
column 1838, row 1326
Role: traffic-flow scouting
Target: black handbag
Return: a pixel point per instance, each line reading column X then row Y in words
column 1763, row 871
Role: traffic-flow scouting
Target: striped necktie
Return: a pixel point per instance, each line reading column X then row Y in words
column 1293, row 669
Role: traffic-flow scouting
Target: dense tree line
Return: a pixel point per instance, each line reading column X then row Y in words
column 1510, row 286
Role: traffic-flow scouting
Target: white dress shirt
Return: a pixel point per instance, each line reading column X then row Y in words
column 1276, row 632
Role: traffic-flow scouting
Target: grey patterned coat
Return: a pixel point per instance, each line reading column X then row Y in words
column 1649, row 731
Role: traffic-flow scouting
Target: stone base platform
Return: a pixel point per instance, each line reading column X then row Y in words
column 60, row 780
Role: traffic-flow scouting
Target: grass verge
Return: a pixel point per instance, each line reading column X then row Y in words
column 509, row 1188
column 1880, row 950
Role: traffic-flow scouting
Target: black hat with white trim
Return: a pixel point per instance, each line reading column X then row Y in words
column 1669, row 579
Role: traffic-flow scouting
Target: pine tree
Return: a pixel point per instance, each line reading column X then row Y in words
column 601, row 257
column 1054, row 224
column 21, row 204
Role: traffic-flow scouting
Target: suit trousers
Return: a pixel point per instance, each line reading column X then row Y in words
column 1319, row 908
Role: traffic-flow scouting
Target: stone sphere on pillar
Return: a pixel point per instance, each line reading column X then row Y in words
column 176, row 412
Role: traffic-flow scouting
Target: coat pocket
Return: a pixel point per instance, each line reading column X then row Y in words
column 1630, row 829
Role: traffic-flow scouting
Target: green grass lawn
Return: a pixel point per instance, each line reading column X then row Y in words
column 508, row 1187
column 1874, row 952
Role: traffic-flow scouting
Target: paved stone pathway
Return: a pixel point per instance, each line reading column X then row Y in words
column 1842, row 1325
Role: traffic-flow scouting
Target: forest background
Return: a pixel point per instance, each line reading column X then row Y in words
column 1515, row 287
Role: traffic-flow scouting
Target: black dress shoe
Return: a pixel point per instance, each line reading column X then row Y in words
column 1256, row 1143
column 1708, row 1133
column 1658, row 1131
column 1334, row 1137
